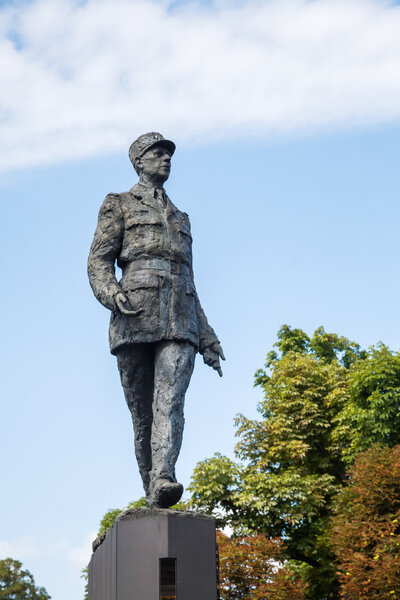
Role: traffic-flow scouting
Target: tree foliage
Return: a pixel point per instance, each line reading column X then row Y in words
column 325, row 400
column 250, row 569
column 250, row 566
column 365, row 531
column 18, row 584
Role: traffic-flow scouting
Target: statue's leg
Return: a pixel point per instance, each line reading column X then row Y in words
column 136, row 368
column 173, row 368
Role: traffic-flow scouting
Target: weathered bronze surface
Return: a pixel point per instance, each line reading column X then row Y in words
column 157, row 324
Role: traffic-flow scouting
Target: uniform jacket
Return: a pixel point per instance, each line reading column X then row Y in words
column 151, row 241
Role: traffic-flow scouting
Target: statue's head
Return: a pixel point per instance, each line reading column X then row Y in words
column 151, row 155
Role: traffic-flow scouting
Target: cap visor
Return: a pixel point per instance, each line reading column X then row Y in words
column 166, row 143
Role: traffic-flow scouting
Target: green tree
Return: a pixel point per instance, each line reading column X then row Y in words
column 324, row 401
column 250, row 566
column 18, row 584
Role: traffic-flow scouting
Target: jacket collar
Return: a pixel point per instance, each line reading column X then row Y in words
column 146, row 194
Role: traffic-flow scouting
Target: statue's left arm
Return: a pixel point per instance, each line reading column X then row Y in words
column 209, row 345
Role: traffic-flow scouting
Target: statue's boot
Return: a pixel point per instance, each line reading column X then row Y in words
column 164, row 494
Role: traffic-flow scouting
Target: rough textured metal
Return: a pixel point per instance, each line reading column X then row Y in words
column 146, row 141
column 155, row 397
column 126, row 560
column 151, row 241
column 157, row 323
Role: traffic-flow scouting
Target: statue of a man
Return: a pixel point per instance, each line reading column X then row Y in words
column 157, row 323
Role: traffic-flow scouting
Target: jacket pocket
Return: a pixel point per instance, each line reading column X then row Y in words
column 142, row 219
column 143, row 231
column 143, row 292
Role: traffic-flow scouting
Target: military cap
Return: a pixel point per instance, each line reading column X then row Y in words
column 146, row 141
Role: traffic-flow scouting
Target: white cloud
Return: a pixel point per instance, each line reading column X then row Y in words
column 82, row 78
column 20, row 549
column 80, row 555
column 29, row 546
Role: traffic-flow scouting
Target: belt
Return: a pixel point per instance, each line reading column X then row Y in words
column 157, row 263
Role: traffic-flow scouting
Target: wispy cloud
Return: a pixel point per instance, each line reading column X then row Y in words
column 21, row 548
column 27, row 547
column 80, row 555
column 80, row 78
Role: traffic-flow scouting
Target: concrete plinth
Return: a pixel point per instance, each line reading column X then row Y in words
column 155, row 555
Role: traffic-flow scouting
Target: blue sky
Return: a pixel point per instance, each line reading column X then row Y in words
column 287, row 163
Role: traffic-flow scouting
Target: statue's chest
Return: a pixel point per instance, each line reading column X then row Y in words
column 153, row 228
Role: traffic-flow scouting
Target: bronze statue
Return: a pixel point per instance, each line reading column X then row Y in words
column 157, row 323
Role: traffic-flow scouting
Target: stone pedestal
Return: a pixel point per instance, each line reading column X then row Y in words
column 155, row 555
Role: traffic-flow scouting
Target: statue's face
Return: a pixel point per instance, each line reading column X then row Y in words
column 156, row 164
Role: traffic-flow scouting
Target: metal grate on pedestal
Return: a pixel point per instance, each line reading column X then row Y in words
column 167, row 578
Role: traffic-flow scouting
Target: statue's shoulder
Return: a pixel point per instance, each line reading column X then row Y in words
column 185, row 218
column 132, row 198
column 110, row 203
column 114, row 201
column 182, row 216
column 137, row 191
column 185, row 222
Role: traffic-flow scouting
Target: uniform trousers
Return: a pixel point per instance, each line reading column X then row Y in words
column 155, row 377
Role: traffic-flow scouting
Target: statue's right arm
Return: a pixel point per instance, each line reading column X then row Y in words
column 105, row 249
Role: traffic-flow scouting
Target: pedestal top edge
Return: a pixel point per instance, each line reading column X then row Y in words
column 140, row 513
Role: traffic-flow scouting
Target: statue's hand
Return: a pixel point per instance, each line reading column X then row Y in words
column 211, row 356
column 123, row 305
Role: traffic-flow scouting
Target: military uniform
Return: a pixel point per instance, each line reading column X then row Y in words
column 151, row 241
